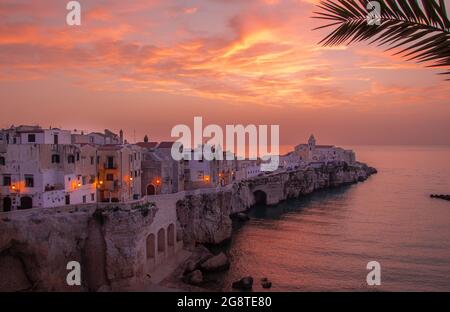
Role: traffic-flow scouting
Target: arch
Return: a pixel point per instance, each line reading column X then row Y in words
column 260, row 197
column 151, row 190
column 171, row 235
column 151, row 246
column 7, row 204
column 26, row 202
column 161, row 240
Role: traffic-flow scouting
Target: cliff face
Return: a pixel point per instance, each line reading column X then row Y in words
column 205, row 218
column 36, row 246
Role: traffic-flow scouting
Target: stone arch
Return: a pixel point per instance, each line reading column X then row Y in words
column 26, row 202
column 161, row 241
column 151, row 246
column 260, row 197
column 7, row 204
column 151, row 189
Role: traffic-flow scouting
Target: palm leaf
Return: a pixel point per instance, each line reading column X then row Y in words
column 420, row 28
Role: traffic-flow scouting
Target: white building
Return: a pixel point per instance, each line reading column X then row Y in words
column 312, row 152
column 34, row 170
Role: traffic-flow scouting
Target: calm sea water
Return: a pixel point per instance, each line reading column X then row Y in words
column 323, row 242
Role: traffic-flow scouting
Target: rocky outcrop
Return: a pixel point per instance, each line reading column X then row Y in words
column 205, row 218
column 216, row 264
column 246, row 283
column 444, row 197
column 36, row 246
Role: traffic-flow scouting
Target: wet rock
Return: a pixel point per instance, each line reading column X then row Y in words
column 441, row 196
column 245, row 283
column 265, row 283
column 216, row 264
column 243, row 217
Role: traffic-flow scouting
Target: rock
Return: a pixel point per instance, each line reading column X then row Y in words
column 245, row 283
column 241, row 216
column 190, row 267
column 265, row 283
column 441, row 196
column 216, row 264
column 194, row 278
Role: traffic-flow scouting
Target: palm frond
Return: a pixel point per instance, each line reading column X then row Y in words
column 420, row 28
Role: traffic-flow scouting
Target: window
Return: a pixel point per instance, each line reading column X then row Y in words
column 2, row 161
column 84, row 199
column 31, row 138
column 109, row 177
column 29, row 181
column 135, row 174
column 98, row 159
column 71, row 159
column 93, row 197
column 6, row 180
column 55, row 139
column 110, row 164
column 91, row 139
column 92, row 160
column 55, row 159
column 84, row 179
column 78, row 156
column 91, row 179
column 67, row 199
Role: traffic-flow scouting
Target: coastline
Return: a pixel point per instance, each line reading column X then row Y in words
column 214, row 281
column 39, row 243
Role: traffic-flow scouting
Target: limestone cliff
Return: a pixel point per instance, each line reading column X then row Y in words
column 35, row 247
column 205, row 218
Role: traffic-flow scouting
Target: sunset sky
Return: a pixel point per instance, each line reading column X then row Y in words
column 147, row 65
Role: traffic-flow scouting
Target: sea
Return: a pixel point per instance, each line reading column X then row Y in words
column 324, row 241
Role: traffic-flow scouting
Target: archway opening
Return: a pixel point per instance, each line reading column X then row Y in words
column 161, row 241
column 7, row 204
column 151, row 246
column 260, row 198
column 151, row 190
column 26, row 202
column 171, row 235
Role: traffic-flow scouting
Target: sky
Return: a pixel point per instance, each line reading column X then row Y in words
column 145, row 66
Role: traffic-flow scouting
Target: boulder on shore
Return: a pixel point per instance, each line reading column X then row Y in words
column 216, row 264
column 265, row 283
column 245, row 283
column 241, row 216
